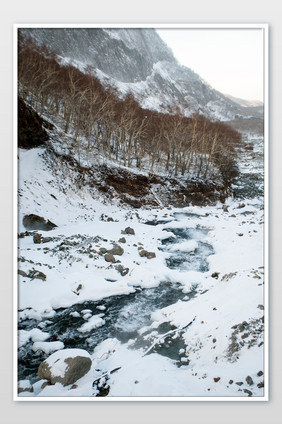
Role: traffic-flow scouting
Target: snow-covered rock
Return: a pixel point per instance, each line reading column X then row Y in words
column 65, row 366
column 24, row 386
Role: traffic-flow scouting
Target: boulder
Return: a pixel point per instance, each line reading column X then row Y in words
column 249, row 380
column 109, row 258
column 249, row 393
column 241, row 206
column 148, row 255
column 37, row 238
column 129, row 230
column 35, row 222
column 116, row 250
column 65, row 366
column 123, row 271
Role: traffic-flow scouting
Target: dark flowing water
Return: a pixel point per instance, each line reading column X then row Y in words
column 123, row 315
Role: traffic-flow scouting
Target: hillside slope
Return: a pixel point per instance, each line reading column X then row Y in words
column 137, row 61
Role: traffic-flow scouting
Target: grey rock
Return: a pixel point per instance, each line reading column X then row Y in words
column 241, row 205
column 35, row 222
column 248, row 392
column 243, row 326
column 123, row 271
column 116, row 250
column 46, row 239
column 45, row 384
column 129, row 230
column 148, row 255
column 35, row 274
column 249, row 380
column 109, row 258
column 37, row 238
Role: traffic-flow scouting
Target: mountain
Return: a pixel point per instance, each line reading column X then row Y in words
column 245, row 103
column 137, row 61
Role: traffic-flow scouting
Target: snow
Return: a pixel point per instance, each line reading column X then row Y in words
column 24, row 384
column 35, row 335
column 186, row 246
column 47, row 347
column 57, row 360
column 73, row 276
column 94, row 322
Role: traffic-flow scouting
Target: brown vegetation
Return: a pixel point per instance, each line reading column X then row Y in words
column 119, row 129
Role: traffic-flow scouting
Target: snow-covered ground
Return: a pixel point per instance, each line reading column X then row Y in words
column 207, row 343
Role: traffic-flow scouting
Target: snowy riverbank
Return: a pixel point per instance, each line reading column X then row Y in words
column 214, row 256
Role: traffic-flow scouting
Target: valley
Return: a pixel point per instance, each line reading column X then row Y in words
column 140, row 241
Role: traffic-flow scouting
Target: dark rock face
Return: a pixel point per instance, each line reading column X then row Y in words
column 35, row 222
column 31, row 131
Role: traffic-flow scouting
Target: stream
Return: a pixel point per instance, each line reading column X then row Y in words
column 128, row 317
column 125, row 315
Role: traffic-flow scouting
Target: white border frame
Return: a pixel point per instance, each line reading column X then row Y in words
column 265, row 28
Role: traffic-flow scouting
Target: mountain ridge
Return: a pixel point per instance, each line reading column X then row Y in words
column 139, row 62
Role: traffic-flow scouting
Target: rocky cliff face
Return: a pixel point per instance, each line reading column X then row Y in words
column 136, row 60
column 127, row 55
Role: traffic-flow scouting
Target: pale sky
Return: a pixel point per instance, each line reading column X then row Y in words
column 230, row 60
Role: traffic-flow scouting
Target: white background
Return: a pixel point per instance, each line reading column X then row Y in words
column 147, row 11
